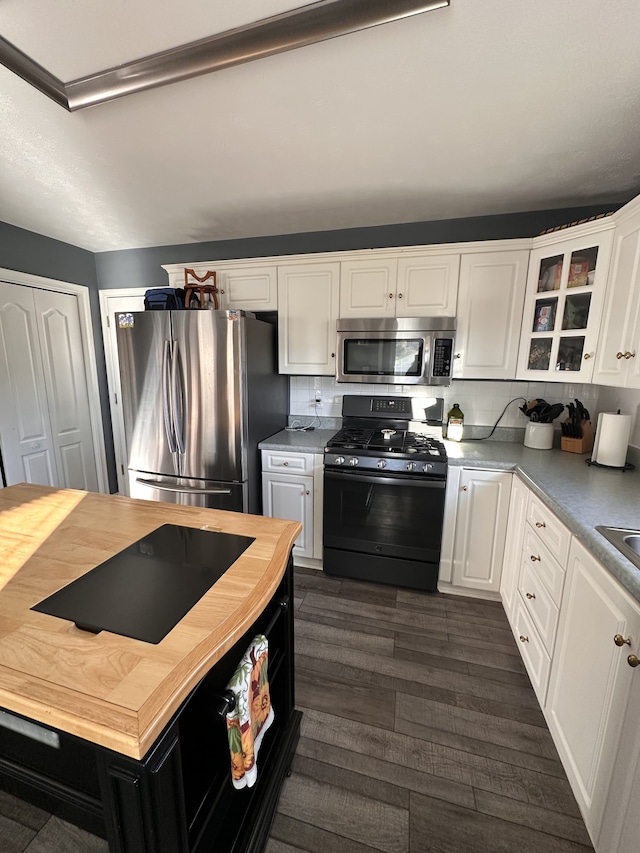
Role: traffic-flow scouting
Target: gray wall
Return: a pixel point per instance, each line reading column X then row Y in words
column 142, row 267
column 32, row 253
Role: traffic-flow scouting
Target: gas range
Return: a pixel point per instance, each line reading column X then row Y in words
column 385, row 477
column 375, row 437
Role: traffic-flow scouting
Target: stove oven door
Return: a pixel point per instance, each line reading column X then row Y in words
column 384, row 528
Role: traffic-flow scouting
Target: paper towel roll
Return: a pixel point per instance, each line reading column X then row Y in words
column 612, row 439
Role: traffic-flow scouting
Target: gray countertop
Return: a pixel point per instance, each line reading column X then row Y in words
column 581, row 496
column 312, row 441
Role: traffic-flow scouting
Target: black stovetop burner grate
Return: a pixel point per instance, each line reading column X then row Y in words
column 389, row 441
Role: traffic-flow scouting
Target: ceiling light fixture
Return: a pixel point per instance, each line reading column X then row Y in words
column 299, row 27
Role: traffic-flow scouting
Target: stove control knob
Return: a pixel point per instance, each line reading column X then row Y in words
column 382, row 463
column 354, row 461
column 339, row 460
column 411, row 466
column 428, row 466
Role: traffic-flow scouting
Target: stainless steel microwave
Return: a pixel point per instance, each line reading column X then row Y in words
column 400, row 351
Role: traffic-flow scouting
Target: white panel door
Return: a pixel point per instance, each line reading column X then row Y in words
column 368, row 288
column 481, row 527
column 66, row 388
column 308, row 301
column 427, row 286
column 590, row 679
column 25, row 428
column 291, row 497
column 490, row 300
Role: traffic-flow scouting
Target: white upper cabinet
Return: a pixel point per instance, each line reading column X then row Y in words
column 249, row 288
column 564, row 302
column 618, row 357
column 424, row 285
column 427, row 285
column 308, row 299
column 246, row 287
column 490, row 299
column 368, row 288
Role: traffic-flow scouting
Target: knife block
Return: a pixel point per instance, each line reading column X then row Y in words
column 579, row 445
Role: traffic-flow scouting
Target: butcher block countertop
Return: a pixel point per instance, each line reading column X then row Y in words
column 114, row 691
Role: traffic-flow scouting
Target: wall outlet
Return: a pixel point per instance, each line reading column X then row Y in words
column 317, row 395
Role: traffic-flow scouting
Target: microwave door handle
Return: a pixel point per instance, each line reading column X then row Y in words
column 166, row 402
column 177, row 397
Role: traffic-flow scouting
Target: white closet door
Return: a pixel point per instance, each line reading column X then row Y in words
column 66, row 387
column 25, row 428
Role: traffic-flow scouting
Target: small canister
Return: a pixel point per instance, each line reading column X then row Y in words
column 538, row 436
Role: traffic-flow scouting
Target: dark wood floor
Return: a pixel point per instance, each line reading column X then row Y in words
column 421, row 731
column 421, row 734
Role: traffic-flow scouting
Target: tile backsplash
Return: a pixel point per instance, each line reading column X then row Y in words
column 481, row 401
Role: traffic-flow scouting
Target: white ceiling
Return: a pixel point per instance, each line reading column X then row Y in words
column 484, row 107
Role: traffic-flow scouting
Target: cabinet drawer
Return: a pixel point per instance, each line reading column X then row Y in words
column 538, row 603
column 534, row 654
column 547, row 568
column 283, row 462
column 551, row 531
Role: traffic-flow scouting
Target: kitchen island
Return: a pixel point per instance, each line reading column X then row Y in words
column 123, row 737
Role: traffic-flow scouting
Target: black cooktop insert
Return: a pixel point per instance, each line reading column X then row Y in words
column 144, row 591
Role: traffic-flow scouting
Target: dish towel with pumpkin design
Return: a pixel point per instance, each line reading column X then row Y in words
column 253, row 713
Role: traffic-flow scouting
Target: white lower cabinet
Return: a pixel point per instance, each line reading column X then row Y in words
column 480, row 530
column 292, row 489
column 533, row 580
column 590, row 687
column 536, row 658
column 513, row 544
column 620, row 830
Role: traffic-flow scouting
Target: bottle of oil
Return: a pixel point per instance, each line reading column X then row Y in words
column 455, row 422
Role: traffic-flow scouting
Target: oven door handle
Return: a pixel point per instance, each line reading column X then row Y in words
column 384, row 479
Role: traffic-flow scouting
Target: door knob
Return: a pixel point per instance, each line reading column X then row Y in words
column 587, row 355
column 523, row 639
column 530, row 595
column 619, row 355
column 399, row 296
column 534, row 558
column 540, row 524
column 619, row 640
column 629, row 355
column 633, row 660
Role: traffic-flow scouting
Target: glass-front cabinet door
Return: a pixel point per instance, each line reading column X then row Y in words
column 563, row 306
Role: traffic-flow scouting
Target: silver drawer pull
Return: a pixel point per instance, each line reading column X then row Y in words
column 540, row 524
column 530, row 595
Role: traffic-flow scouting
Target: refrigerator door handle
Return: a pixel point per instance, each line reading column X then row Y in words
column 177, row 397
column 165, row 398
column 187, row 490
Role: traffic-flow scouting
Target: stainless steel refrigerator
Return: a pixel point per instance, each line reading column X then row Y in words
column 200, row 389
